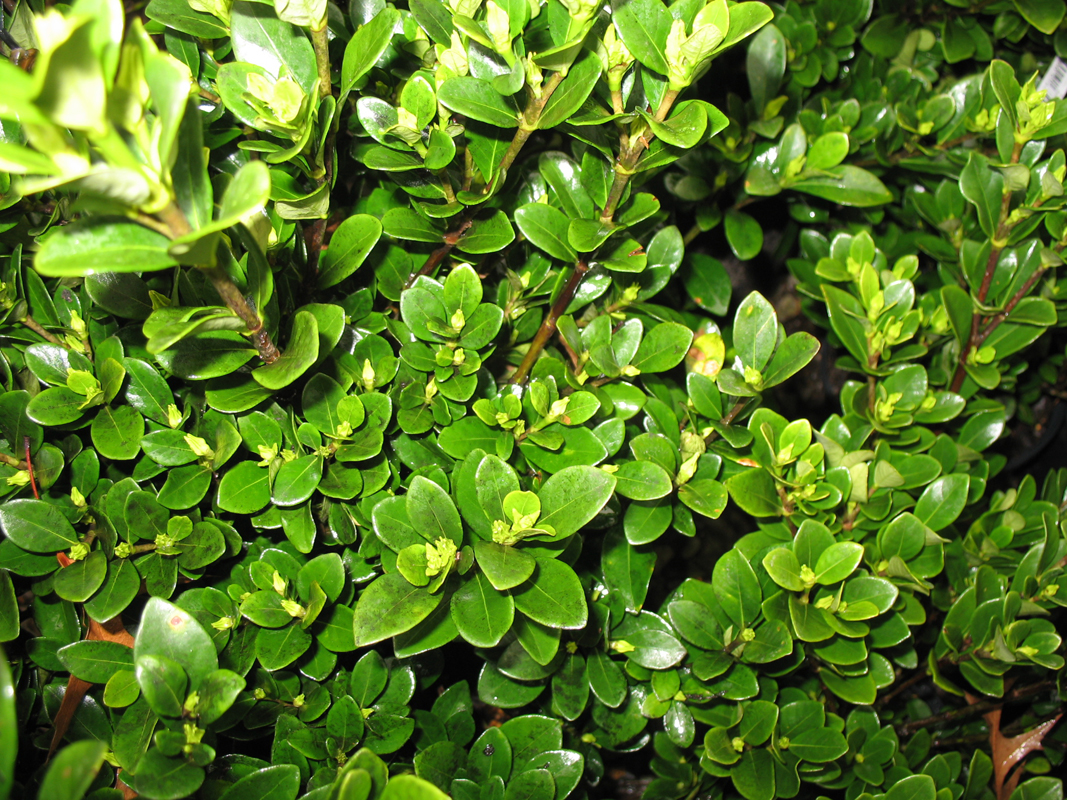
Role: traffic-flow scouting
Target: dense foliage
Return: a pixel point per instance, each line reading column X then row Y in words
column 371, row 430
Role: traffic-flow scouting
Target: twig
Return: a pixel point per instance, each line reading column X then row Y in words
column 175, row 219
column 548, row 326
column 977, row 709
column 731, row 415
column 35, row 326
column 451, row 239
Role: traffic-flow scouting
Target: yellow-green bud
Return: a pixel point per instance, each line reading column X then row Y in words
column 79, row 551
column 199, row 446
column 223, row 623
column 267, row 454
column 20, row 478
column 293, row 609
column 124, row 550
column 278, row 582
column 622, row 646
column 368, row 375
column 174, row 416
column 439, row 556
column 738, row 744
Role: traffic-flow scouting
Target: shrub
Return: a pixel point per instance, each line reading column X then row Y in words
column 370, row 429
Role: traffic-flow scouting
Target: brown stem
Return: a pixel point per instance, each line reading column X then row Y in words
column 976, row 709
column 629, row 156
column 451, row 239
column 918, row 677
column 1019, row 295
column 1003, row 230
column 548, row 326
column 731, row 415
column 531, row 116
column 11, row 461
column 35, row 326
column 175, row 219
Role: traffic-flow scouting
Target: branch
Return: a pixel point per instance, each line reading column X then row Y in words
column 227, row 289
column 548, row 326
column 976, row 709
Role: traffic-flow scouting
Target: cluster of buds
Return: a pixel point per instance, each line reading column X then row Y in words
column 689, row 55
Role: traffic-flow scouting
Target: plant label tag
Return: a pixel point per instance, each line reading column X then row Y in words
column 1055, row 81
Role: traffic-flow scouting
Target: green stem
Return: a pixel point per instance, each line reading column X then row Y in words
column 548, row 327
column 531, row 116
column 320, row 40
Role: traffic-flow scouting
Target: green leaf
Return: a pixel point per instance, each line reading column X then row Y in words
column 276, row 782
column 837, row 562
column 1045, row 15
column 9, row 745
column 102, row 244
column 432, row 512
column 481, row 613
column 478, row 100
column 913, row 787
column 178, row 15
column 705, row 496
column 505, row 567
column 72, row 771
column 352, row 240
column 546, row 228
column 755, row 331
column 737, row 588
column 627, row 569
column 121, row 293
column 642, row 480
column 410, row 787
column 643, row 26
column 300, row 352
column 95, row 662
column 753, row 775
column 163, row 683
column 553, row 596
column 795, row 353
column 81, row 579
column 390, row 605
column 942, row 501
column 983, row 186
column 708, row 284
column 169, row 631
column 572, row 92
column 563, row 175
column 754, row 492
column 818, row 745
column 572, row 497
column 663, row 347
column 606, row 679
column 827, row 151
column 244, row 489
column 165, row 778
column 37, row 526
column 847, row 185
column 120, row 587
column 684, row 128
column 296, row 480
column 743, row 234
column 365, row 48
column 487, row 235
column 117, row 432
column 260, row 38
